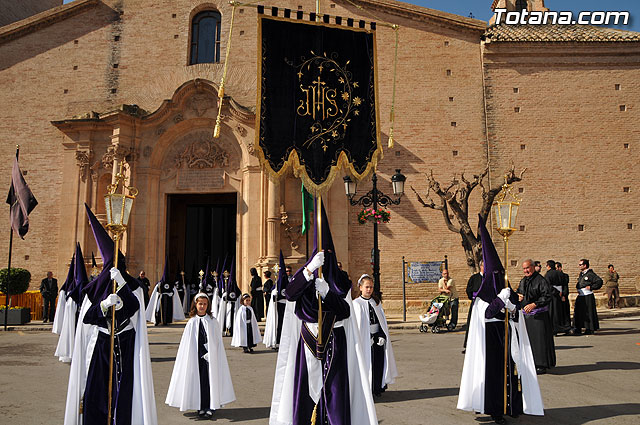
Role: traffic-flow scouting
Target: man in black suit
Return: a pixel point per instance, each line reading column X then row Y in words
column 584, row 313
column 143, row 281
column 49, row 291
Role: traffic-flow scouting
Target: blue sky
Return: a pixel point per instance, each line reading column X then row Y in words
column 481, row 9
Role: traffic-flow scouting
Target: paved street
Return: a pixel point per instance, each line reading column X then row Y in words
column 596, row 381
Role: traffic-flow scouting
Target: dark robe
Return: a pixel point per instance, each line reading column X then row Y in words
column 203, row 368
column 334, row 404
column 473, row 285
column 584, row 313
column 377, row 351
column 536, row 289
column 267, row 288
column 96, row 392
column 145, row 285
column 233, row 294
column 494, row 363
column 165, row 314
column 557, row 308
column 250, row 343
column 257, row 300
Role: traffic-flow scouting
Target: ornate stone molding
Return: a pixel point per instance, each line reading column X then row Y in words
column 292, row 227
column 116, row 152
column 202, row 153
column 83, row 159
column 201, row 103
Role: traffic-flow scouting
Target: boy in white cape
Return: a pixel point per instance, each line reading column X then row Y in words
column 246, row 333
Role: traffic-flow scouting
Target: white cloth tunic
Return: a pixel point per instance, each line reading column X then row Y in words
column 184, row 388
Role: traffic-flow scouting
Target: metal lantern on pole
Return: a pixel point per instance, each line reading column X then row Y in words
column 118, row 209
column 505, row 209
column 373, row 199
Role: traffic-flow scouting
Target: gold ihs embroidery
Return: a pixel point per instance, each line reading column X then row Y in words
column 319, row 101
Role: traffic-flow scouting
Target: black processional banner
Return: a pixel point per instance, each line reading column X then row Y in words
column 316, row 99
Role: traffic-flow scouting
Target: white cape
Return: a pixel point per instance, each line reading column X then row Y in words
column 154, row 305
column 471, row 396
column 144, row 405
column 361, row 309
column 240, row 328
column 224, row 312
column 363, row 411
column 271, row 327
column 64, row 349
column 184, row 388
column 58, row 318
column 215, row 303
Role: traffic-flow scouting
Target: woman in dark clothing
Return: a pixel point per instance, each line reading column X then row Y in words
column 267, row 288
column 257, row 301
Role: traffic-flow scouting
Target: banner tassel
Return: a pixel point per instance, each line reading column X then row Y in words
column 216, row 129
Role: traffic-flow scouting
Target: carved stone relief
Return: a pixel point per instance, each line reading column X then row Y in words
column 83, row 158
column 201, row 103
column 202, row 153
column 292, row 227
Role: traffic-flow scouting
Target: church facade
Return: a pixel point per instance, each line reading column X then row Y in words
column 90, row 84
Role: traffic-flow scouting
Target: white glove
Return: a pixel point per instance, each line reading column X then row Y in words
column 117, row 276
column 381, row 341
column 509, row 305
column 322, row 287
column 504, row 294
column 111, row 300
column 206, row 357
column 316, row 262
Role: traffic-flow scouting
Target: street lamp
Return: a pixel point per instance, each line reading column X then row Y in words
column 118, row 206
column 505, row 209
column 375, row 198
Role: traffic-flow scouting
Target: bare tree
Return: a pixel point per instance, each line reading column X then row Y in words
column 454, row 203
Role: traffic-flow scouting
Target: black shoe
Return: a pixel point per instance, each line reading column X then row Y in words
column 541, row 370
column 251, row 350
column 576, row 332
column 498, row 419
column 588, row 332
column 209, row 414
column 464, row 350
column 245, row 349
column 44, row 320
column 201, row 413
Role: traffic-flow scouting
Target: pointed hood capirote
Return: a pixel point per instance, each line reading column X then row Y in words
column 283, row 279
column 493, row 278
column 68, row 284
column 101, row 286
column 165, row 272
column 80, row 276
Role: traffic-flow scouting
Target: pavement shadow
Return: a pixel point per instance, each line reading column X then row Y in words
column 406, row 395
column 164, row 343
column 585, row 414
column 619, row 331
column 235, row 415
column 571, row 347
column 162, row 359
column 569, row 370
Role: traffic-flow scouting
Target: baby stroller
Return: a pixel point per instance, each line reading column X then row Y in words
column 435, row 316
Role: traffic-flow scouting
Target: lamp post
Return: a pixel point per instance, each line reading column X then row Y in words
column 118, row 208
column 375, row 198
column 505, row 209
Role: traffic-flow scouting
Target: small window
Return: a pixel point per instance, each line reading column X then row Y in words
column 521, row 5
column 205, row 37
column 630, row 226
column 580, row 227
column 623, row 108
column 617, row 86
column 516, row 89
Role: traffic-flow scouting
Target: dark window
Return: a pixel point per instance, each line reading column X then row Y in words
column 521, row 5
column 205, row 37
